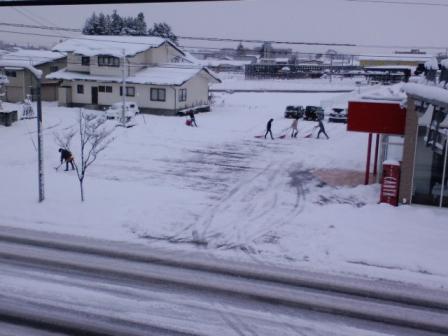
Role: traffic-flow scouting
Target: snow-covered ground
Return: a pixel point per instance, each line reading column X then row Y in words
column 219, row 189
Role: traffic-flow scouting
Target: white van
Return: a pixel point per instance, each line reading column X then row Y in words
column 115, row 111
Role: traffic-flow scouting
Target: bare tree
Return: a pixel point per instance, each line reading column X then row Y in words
column 94, row 137
column 64, row 140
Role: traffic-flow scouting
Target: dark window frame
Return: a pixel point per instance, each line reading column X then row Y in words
column 158, row 94
column 182, row 95
column 80, row 89
column 85, row 60
column 109, row 61
column 128, row 91
column 10, row 73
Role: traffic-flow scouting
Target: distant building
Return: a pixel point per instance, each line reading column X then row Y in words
column 394, row 59
column 21, row 82
column 159, row 76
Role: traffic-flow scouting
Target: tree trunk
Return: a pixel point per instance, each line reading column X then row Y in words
column 82, row 189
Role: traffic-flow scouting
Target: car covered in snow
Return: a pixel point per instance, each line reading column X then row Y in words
column 116, row 110
column 294, row 111
column 338, row 114
column 313, row 113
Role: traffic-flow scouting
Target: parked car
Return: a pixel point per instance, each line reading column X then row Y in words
column 313, row 113
column 338, row 114
column 294, row 111
column 115, row 111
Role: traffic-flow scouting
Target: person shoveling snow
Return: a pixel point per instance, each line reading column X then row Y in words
column 68, row 157
column 268, row 129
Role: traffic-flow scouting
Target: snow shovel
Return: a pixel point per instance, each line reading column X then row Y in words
column 310, row 134
column 56, row 168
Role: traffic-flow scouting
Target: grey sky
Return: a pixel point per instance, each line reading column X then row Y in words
column 295, row 20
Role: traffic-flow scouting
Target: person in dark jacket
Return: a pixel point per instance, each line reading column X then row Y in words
column 321, row 129
column 68, row 157
column 268, row 128
column 192, row 118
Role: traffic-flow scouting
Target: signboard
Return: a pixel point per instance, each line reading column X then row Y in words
column 390, row 184
column 376, row 117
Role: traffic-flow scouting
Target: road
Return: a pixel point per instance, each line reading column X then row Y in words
column 54, row 284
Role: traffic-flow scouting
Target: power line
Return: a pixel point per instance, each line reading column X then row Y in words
column 211, row 39
column 407, row 3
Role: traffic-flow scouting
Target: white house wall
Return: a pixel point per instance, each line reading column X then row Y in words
column 136, row 63
column 197, row 92
column 163, row 54
column 74, row 63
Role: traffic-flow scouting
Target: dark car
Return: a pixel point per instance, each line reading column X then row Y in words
column 314, row 113
column 338, row 115
column 294, row 111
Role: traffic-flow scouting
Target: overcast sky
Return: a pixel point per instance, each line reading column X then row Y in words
column 338, row 21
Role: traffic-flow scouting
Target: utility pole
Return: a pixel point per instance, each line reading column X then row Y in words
column 331, row 68
column 40, row 142
column 123, row 90
column 442, row 189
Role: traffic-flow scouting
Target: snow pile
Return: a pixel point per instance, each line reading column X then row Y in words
column 432, row 64
column 111, row 45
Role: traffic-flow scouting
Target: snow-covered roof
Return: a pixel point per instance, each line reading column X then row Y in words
column 112, row 45
column 172, row 74
column 384, row 94
column 32, row 57
column 396, row 57
column 216, row 62
column 426, row 91
column 18, row 65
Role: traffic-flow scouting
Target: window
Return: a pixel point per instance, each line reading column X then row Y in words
column 10, row 73
column 158, row 94
column 54, row 68
column 182, row 95
column 80, row 89
column 130, row 91
column 85, row 60
column 103, row 88
column 108, row 61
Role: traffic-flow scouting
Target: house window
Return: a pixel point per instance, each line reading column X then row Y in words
column 158, row 94
column 105, row 88
column 130, row 91
column 10, row 73
column 108, row 61
column 80, row 88
column 85, row 60
column 182, row 95
column 54, row 68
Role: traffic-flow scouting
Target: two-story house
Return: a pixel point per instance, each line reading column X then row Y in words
column 20, row 80
column 99, row 67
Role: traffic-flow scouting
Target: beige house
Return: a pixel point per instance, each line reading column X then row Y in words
column 98, row 67
column 20, row 80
